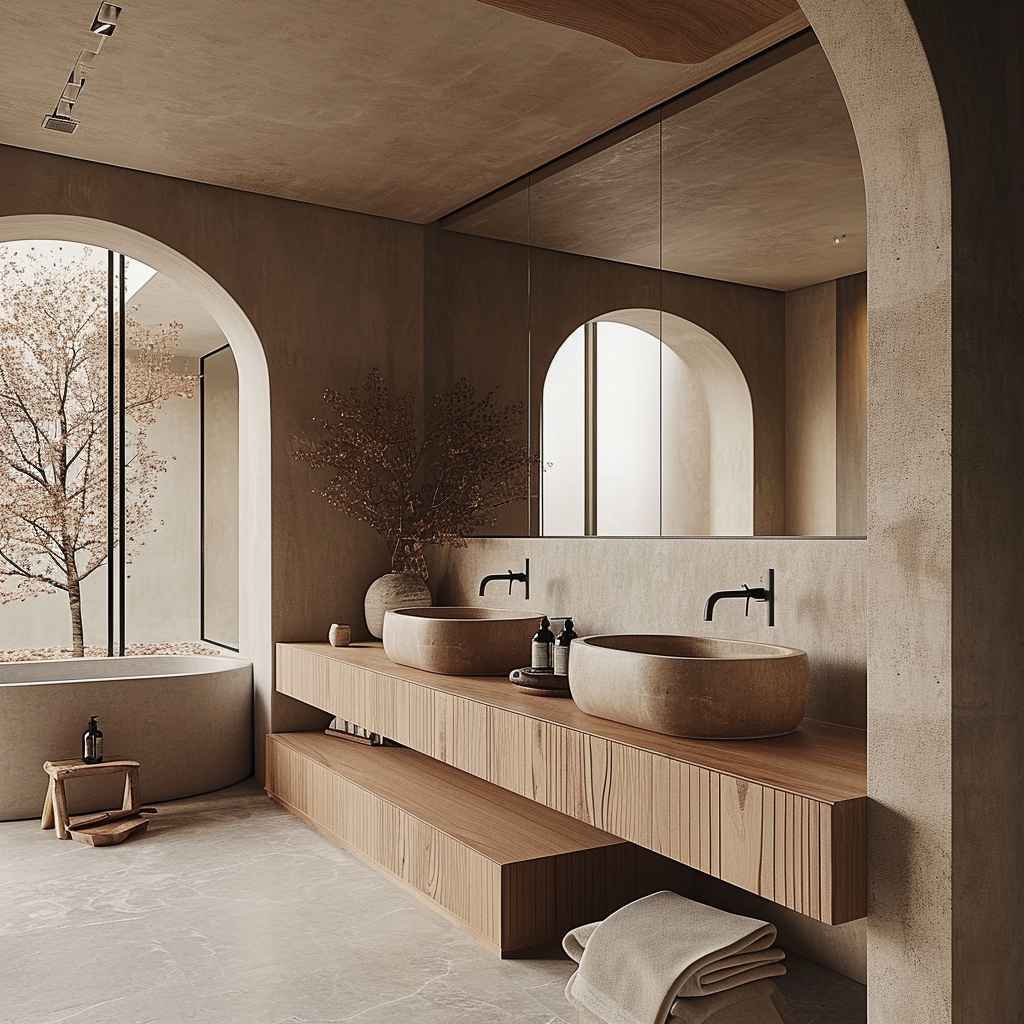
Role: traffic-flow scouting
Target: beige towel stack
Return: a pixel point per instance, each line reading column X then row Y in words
column 759, row 1002
column 636, row 963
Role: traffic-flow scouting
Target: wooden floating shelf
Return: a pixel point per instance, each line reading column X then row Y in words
column 512, row 873
column 783, row 818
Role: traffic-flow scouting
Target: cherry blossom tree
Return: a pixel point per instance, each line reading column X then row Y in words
column 54, row 421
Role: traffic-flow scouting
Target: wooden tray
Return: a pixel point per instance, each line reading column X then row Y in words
column 110, row 833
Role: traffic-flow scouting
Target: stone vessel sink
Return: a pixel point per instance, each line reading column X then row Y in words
column 690, row 686
column 459, row 641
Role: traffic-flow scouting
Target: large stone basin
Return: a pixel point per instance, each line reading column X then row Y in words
column 459, row 641
column 690, row 686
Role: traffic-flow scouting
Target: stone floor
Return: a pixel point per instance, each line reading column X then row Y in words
column 231, row 911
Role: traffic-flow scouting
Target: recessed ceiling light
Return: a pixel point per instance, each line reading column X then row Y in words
column 106, row 20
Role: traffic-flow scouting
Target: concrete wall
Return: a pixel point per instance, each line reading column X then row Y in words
column 974, row 54
column 167, row 561
column 811, row 410
column 826, row 409
column 220, row 526
column 937, row 102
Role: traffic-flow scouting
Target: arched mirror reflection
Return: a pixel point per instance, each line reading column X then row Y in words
column 646, row 430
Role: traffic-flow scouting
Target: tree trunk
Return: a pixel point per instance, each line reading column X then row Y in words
column 75, row 600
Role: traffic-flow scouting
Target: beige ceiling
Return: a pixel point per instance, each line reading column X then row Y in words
column 403, row 108
column 414, row 108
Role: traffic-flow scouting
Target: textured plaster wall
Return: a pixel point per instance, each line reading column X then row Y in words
column 220, row 466
column 974, row 51
column 811, row 410
column 884, row 73
column 826, row 408
column 851, row 405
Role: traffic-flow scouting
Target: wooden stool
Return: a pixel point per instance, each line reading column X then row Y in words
column 55, row 807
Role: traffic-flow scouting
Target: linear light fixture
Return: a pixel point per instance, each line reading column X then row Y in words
column 103, row 26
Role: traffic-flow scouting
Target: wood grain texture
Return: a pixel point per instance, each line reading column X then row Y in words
column 686, row 31
column 783, row 817
column 514, row 874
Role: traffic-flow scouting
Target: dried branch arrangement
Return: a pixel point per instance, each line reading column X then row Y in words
column 414, row 491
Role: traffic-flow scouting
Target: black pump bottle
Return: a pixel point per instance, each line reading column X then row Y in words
column 92, row 743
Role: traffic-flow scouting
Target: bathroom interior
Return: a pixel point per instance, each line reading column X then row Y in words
column 489, row 288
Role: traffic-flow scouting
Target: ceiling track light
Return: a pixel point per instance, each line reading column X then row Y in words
column 106, row 20
column 56, row 123
column 103, row 26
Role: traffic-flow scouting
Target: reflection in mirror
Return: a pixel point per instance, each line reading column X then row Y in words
column 647, row 430
column 733, row 212
column 606, row 205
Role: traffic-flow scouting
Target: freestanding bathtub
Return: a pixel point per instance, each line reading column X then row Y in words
column 187, row 720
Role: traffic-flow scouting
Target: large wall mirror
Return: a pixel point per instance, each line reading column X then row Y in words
column 681, row 305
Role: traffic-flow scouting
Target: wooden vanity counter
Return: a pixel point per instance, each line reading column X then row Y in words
column 784, row 817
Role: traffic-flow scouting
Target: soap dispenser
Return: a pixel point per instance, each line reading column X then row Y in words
column 542, row 648
column 92, row 743
column 562, row 642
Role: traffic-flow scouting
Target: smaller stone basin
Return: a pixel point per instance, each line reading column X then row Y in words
column 690, row 686
column 459, row 641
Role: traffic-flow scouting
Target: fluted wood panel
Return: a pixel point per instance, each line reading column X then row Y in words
column 514, row 874
column 783, row 818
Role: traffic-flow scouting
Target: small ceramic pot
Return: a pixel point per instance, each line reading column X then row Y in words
column 395, row 590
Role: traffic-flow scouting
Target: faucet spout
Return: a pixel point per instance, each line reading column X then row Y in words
column 766, row 594
column 718, row 595
column 512, row 577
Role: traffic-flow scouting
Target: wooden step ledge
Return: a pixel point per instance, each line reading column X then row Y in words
column 512, row 873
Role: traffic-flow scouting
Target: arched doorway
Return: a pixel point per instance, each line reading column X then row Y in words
column 883, row 71
column 253, row 417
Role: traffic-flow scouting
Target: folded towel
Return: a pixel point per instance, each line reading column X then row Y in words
column 636, row 962
column 760, row 1002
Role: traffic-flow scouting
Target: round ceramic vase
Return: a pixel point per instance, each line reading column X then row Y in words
column 395, row 590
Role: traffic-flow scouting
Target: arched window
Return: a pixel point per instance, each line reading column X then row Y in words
column 647, row 430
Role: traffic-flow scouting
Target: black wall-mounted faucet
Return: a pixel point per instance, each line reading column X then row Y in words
column 512, row 577
column 766, row 593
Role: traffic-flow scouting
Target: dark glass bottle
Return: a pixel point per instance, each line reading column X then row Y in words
column 542, row 647
column 92, row 743
column 562, row 642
